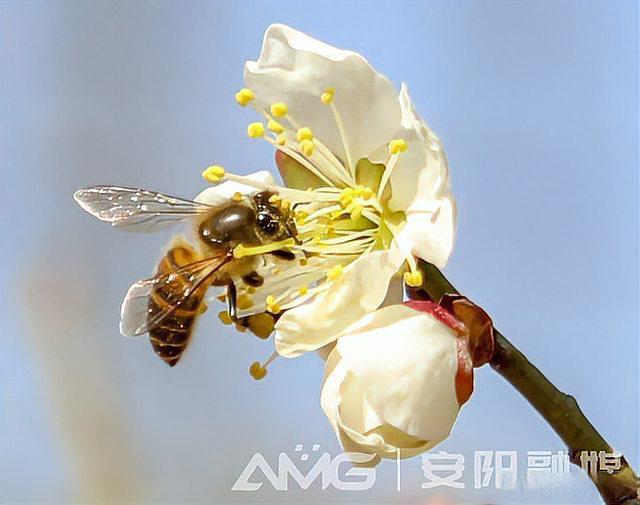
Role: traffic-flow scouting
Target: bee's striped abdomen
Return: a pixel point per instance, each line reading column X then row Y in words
column 170, row 338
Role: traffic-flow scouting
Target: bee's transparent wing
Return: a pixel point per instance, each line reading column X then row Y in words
column 137, row 210
column 169, row 292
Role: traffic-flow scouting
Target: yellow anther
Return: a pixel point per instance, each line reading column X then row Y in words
column 303, row 262
column 367, row 193
column 225, row 317
column 257, row 371
column 307, row 147
column 274, row 199
column 279, row 109
column 222, row 298
column 237, row 196
column 327, row 97
column 316, row 239
column 397, row 146
column 346, row 196
column 244, row 302
column 272, row 304
column 274, row 126
column 281, row 139
column 355, row 211
column 213, row 174
column 240, row 328
column 202, row 308
column 255, row 130
column 304, row 133
column 413, row 279
column 335, row 272
column 303, row 290
column 244, row 96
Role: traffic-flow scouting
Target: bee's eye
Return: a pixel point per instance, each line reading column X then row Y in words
column 268, row 224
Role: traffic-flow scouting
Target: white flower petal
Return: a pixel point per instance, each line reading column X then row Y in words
column 390, row 383
column 219, row 194
column 295, row 69
column 421, row 188
column 360, row 290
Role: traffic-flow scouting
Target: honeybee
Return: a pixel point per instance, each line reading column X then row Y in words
column 167, row 305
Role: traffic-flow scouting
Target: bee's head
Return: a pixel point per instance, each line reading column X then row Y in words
column 253, row 221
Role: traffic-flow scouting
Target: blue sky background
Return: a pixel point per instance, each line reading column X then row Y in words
column 537, row 105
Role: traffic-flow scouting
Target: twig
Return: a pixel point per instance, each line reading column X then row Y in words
column 559, row 409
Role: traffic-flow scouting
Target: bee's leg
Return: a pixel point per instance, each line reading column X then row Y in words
column 283, row 255
column 231, row 299
column 253, row 279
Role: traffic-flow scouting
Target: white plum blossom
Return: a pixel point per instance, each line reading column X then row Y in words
column 368, row 183
column 365, row 176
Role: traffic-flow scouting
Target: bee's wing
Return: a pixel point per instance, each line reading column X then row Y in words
column 175, row 288
column 138, row 210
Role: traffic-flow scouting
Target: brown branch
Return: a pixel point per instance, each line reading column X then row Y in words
column 560, row 410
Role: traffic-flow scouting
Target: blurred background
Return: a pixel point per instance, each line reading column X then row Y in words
column 537, row 105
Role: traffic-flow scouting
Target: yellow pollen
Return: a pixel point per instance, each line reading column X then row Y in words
column 355, row 211
column 237, row 197
column 281, row 139
column 307, row 147
column 272, row 305
column 213, row 174
column 346, row 196
column 255, row 130
column 202, row 308
column 244, row 96
column 225, row 317
column 367, row 193
column 397, row 146
column 274, row 198
column 303, row 290
column 279, row 109
column 285, row 204
column 244, row 302
column 304, row 134
column 327, row 97
column 413, row 279
column 274, row 126
column 257, row 371
column 335, row 272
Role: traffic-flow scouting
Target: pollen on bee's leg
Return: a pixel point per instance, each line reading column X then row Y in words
column 244, row 302
column 225, row 317
column 261, row 325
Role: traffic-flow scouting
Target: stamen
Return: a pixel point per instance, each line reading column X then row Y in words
column 255, row 130
column 272, row 304
column 335, row 272
column 396, row 147
column 244, row 96
column 241, row 251
column 213, row 174
column 327, row 97
column 413, row 278
column 279, row 109
column 343, row 136
column 274, row 126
